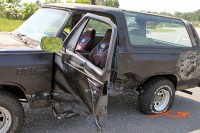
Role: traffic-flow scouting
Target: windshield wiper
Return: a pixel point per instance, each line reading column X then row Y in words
column 21, row 36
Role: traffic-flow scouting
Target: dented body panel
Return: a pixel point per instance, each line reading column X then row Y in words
column 80, row 87
column 75, row 93
column 31, row 71
column 143, row 64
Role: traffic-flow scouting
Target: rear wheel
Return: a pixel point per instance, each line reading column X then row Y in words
column 11, row 113
column 157, row 96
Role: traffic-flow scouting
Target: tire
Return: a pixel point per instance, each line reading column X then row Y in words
column 11, row 113
column 156, row 96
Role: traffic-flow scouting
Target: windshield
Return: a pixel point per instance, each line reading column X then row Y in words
column 45, row 22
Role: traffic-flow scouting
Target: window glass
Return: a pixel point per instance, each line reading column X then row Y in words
column 156, row 31
column 68, row 26
column 74, row 39
column 45, row 22
column 84, row 41
column 100, row 27
column 73, row 21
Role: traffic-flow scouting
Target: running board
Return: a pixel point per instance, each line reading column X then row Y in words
column 186, row 91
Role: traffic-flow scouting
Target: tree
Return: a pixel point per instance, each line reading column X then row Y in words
column 2, row 10
column 178, row 14
column 165, row 13
column 82, row 1
column 28, row 10
column 79, row 1
column 38, row 2
column 93, row 2
column 190, row 16
column 52, row 1
column 13, row 13
column 12, row 10
column 197, row 14
column 69, row 1
column 112, row 3
column 13, row 2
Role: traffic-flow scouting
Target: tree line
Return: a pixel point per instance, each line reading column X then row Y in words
column 12, row 9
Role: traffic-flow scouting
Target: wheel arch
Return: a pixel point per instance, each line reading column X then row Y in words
column 14, row 89
column 173, row 78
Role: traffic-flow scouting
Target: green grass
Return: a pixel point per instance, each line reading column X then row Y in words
column 9, row 25
column 163, row 30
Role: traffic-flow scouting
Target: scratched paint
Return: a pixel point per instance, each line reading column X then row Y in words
column 173, row 115
column 188, row 65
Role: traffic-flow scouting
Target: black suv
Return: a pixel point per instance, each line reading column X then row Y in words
column 108, row 51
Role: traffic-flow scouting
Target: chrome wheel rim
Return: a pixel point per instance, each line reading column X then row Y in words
column 5, row 120
column 161, row 100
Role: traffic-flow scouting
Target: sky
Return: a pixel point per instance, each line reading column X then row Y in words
column 161, row 5
column 157, row 5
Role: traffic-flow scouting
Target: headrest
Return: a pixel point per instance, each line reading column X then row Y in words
column 88, row 33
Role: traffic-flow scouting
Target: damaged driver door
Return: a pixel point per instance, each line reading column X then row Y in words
column 81, row 82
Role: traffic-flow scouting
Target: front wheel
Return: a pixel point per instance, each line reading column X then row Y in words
column 157, row 96
column 11, row 113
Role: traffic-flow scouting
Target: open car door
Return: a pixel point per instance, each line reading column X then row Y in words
column 80, row 86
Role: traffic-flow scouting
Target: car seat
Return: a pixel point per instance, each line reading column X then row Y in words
column 98, row 54
column 86, row 41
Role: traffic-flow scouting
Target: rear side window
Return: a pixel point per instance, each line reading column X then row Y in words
column 156, row 31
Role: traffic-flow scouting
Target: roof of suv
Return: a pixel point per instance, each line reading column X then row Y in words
column 84, row 7
column 96, row 8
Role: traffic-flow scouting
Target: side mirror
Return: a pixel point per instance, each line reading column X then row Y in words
column 51, row 44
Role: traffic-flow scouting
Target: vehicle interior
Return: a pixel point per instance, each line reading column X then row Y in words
column 94, row 40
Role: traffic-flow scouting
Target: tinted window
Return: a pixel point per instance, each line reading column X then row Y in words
column 156, row 31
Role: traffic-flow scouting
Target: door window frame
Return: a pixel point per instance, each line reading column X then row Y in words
column 103, row 75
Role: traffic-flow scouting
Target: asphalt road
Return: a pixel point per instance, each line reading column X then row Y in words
column 178, row 36
column 123, row 117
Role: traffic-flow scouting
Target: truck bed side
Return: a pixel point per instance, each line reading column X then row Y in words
column 31, row 71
